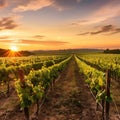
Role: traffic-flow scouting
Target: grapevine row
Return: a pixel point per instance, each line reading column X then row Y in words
column 97, row 82
column 9, row 73
column 33, row 87
column 103, row 63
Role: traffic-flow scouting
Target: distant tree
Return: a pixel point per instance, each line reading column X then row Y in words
column 114, row 51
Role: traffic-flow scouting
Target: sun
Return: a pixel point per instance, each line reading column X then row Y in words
column 14, row 48
column 13, row 51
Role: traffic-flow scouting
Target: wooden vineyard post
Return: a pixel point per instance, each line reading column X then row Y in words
column 107, row 107
column 52, row 85
column 21, row 76
column 22, row 80
column 8, row 87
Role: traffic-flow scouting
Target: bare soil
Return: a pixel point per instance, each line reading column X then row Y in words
column 70, row 99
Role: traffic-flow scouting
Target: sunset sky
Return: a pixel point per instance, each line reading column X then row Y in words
column 59, row 24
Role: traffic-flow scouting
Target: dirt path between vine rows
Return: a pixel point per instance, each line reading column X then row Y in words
column 70, row 99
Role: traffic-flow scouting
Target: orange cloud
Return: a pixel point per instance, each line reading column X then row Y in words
column 4, row 37
column 43, row 42
column 36, row 42
column 5, row 41
column 38, row 36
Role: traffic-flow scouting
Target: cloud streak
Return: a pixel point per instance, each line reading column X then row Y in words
column 7, row 23
column 111, row 29
column 90, row 21
column 43, row 42
column 85, row 33
column 35, row 5
column 103, row 29
column 101, row 11
column 32, row 5
column 5, row 41
column 65, row 4
column 111, row 9
column 4, row 37
column 36, row 42
column 38, row 36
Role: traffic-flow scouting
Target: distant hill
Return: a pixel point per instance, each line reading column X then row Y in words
column 9, row 53
column 65, row 51
column 114, row 51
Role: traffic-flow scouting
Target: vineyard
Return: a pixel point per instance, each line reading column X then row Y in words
column 60, row 87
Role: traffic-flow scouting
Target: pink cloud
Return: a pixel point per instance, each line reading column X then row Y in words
column 3, row 3
column 39, row 4
column 104, row 13
column 32, row 5
column 111, row 9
